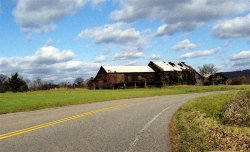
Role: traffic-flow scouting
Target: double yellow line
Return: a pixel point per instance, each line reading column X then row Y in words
column 62, row 120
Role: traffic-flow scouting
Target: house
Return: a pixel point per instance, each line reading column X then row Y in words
column 216, row 79
column 172, row 73
column 156, row 74
column 124, row 77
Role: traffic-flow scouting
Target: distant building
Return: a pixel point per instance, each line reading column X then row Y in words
column 216, row 79
column 156, row 74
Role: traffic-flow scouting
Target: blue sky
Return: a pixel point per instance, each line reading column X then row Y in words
column 64, row 39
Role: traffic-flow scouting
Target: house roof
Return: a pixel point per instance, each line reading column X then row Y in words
column 171, row 66
column 127, row 69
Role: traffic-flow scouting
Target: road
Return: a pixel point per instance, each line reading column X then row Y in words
column 139, row 124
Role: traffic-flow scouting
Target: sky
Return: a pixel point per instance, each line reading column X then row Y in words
column 60, row 40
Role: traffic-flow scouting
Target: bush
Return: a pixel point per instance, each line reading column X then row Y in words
column 237, row 112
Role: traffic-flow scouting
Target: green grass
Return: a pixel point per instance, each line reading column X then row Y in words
column 14, row 102
column 198, row 126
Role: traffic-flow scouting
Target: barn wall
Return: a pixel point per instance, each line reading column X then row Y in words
column 123, row 80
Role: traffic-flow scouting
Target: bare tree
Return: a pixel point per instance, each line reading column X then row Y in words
column 3, row 83
column 79, row 82
column 207, row 70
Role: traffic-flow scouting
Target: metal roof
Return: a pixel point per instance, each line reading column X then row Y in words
column 171, row 66
column 127, row 69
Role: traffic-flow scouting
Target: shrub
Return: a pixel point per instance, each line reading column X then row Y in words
column 237, row 112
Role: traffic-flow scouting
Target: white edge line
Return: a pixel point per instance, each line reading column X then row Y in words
column 135, row 141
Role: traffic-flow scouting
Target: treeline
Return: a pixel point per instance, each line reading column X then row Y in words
column 17, row 83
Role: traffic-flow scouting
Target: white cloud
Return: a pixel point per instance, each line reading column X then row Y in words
column 238, row 27
column 100, row 59
column 178, row 15
column 184, row 45
column 235, row 65
column 202, row 53
column 118, row 33
column 50, row 54
column 172, row 28
column 154, row 57
column 42, row 15
column 122, row 35
column 130, row 63
column 128, row 55
column 49, row 63
column 242, row 55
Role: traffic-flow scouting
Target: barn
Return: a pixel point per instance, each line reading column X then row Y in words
column 156, row 74
column 176, row 73
column 124, row 77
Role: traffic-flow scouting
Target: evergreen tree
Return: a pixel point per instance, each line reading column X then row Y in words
column 17, row 84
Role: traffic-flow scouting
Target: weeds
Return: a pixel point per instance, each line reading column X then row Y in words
column 237, row 112
column 198, row 126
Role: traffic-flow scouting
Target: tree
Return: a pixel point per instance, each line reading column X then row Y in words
column 79, row 82
column 3, row 83
column 17, row 84
column 37, row 84
column 207, row 70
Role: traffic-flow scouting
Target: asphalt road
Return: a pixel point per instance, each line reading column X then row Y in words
column 139, row 124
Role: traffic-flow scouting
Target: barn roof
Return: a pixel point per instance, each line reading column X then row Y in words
column 127, row 69
column 171, row 66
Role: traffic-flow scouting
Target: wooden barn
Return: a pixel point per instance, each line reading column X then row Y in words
column 124, row 77
column 176, row 73
column 156, row 74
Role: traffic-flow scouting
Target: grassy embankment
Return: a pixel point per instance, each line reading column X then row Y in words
column 14, row 102
column 213, row 123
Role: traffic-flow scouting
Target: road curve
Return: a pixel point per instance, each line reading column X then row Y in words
column 127, row 125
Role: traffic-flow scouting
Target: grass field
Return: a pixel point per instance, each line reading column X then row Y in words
column 15, row 102
column 199, row 126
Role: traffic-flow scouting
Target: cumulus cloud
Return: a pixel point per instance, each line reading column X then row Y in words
column 178, row 15
column 239, row 61
column 49, row 63
column 184, row 45
column 42, row 15
column 100, row 59
column 131, row 63
column 154, row 57
column 238, row 27
column 241, row 55
column 172, row 28
column 202, row 53
column 128, row 55
column 119, row 34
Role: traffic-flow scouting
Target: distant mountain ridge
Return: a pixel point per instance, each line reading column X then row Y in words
column 234, row 74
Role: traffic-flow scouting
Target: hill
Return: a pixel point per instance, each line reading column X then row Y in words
column 234, row 74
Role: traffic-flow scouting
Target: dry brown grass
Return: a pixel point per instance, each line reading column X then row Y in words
column 237, row 112
column 198, row 126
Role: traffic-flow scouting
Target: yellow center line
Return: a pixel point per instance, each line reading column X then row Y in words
column 62, row 120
